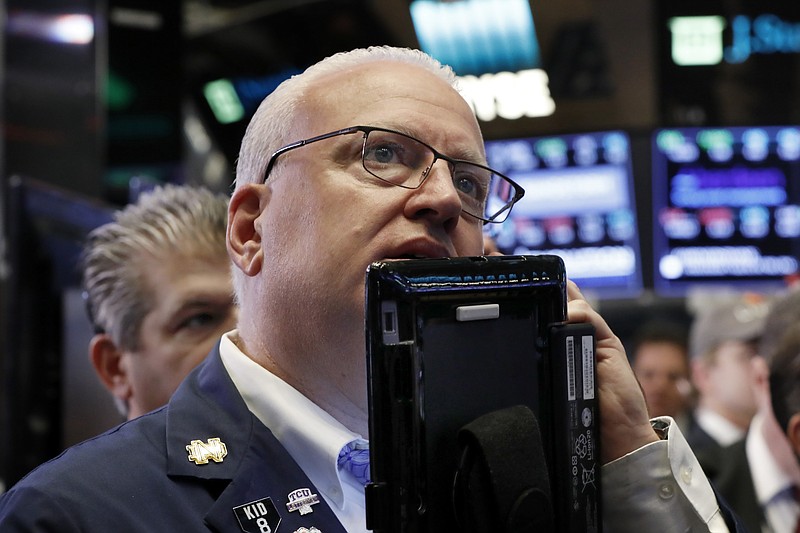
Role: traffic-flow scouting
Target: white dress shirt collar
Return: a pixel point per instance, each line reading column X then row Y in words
column 720, row 428
column 772, row 484
column 769, row 479
column 311, row 436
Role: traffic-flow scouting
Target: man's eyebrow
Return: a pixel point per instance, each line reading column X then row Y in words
column 202, row 301
column 462, row 153
column 469, row 155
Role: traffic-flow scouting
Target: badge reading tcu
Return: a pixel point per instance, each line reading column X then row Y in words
column 259, row 516
column 200, row 452
column 302, row 500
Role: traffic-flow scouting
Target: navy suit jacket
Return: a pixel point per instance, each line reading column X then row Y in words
column 705, row 448
column 730, row 474
column 138, row 476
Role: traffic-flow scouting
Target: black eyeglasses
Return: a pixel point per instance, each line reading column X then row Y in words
column 404, row 161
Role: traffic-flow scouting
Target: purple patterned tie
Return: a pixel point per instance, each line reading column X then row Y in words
column 356, row 461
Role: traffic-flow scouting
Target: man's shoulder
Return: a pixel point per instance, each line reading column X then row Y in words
column 160, row 472
column 735, row 483
column 121, row 453
column 97, row 477
column 733, row 466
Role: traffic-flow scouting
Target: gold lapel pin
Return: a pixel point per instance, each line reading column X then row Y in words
column 200, row 452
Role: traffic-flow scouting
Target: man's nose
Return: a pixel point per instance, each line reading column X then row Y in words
column 437, row 196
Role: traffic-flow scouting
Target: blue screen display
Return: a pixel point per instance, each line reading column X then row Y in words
column 478, row 36
column 579, row 204
column 726, row 207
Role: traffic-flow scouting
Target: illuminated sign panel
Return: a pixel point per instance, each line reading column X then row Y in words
column 580, row 205
column 492, row 46
column 68, row 28
column 236, row 99
column 699, row 40
column 477, row 36
column 765, row 34
column 726, row 206
column 509, row 95
column 727, row 63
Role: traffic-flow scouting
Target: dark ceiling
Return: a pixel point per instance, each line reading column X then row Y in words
column 239, row 38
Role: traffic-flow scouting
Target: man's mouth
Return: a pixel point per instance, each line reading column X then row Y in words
column 419, row 249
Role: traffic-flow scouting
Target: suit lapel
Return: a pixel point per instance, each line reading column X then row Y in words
column 269, row 472
column 256, row 476
column 735, row 483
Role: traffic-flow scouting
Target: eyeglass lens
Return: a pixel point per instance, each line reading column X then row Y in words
column 406, row 162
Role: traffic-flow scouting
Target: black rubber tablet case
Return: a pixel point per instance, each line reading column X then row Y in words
column 460, row 352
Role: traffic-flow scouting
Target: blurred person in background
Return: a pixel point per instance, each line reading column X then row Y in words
column 158, row 291
column 660, row 360
column 722, row 344
column 784, row 380
column 759, row 475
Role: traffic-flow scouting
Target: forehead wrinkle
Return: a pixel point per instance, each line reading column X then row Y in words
column 401, row 109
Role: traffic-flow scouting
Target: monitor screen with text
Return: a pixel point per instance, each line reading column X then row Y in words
column 579, row 204
column 726, row 207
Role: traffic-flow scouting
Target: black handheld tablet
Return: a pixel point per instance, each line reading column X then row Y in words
column 471, row 371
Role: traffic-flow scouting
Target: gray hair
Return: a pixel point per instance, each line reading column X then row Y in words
column 267, row 129
column 170, row 218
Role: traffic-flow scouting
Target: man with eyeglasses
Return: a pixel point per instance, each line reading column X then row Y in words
column 368, row 155
column 399, row 159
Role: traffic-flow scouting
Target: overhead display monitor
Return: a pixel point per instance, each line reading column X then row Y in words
column 729, row 63
column 726, row 207
column 227, row 104
column 579, row 204
column 477, row 36
column 492, row 47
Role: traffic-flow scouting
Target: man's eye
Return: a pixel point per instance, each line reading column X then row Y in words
column 386, row 154
column 383, row 154
column 198, row 320
column 471, row 185
column 466, row 186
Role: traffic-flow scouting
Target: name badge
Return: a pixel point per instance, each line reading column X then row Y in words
column 259, row 516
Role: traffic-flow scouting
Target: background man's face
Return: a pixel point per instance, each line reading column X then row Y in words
column 663, row 372
column 192, row 307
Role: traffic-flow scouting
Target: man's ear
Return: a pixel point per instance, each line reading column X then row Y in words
column 760, row 373
column 793, row 432
column 244, row 234
column 699, row 373
column 106, row 358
